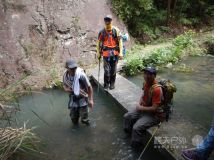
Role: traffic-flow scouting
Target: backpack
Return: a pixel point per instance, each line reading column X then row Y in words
column 168, row 90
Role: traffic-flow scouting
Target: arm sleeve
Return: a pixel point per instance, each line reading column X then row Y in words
column 157, row 96
column 119, row 35
column 98, row 42
column 121, row 47
column 98, row 47
column 85, row 80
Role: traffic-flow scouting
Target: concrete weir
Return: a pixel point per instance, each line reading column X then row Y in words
column 172, row 137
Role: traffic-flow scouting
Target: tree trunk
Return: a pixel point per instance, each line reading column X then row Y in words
column 174, row 7
column 168, row 12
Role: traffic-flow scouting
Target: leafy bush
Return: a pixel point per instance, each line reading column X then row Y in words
column 134, row 63
column 184, row 40
column 133, row 66
column 185, row 21
column 140, row 16
column 210, row 39
column 181, row 46
column 210, row 44
column 210, row 10
column 143, row 16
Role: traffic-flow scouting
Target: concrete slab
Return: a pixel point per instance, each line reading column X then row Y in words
column 172, row 137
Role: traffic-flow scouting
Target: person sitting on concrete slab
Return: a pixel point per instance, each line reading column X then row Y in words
column 147, row 112
column 203, row 150
column 110, row 47
column 76, row 83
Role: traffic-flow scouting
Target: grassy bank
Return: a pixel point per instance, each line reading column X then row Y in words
column 181, row 46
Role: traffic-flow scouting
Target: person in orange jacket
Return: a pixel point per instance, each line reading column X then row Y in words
column 109, row 47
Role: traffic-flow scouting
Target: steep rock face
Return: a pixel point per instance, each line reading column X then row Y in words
column 37, row 36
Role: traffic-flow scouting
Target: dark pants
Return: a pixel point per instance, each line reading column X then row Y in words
column 110, row 69
column 82, row 112
column 136, row 123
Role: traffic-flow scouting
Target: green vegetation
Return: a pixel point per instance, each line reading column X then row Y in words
column 181, row 46
column 210, row 39
column 8, row 94
column 15, row 141
column 150, row 19
column 210, row 45
column 55, row 81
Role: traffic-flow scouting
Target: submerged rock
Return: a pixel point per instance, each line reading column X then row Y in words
column 183, row 68
column 169, row 65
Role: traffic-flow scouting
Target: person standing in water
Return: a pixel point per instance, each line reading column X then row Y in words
column 76, row 83
column 110, row 47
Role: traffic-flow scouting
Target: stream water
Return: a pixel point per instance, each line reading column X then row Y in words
column 194, row 98
column 102, row 140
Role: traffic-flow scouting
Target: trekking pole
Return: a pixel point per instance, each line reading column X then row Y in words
column 98, row 85
column 147, row 144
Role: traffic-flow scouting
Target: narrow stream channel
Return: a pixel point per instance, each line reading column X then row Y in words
column 102, row 140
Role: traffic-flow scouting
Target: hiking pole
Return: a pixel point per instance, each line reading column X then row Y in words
column 98, row 85
column 147, row 144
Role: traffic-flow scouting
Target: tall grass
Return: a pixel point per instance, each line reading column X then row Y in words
column 8, row 93
column 17, row 140
column 14, row 140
